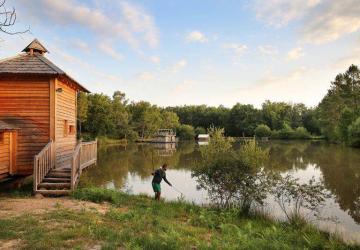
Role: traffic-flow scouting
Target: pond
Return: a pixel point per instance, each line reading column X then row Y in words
column 129, row 169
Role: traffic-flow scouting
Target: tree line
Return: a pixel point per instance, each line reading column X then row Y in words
column 337, row 117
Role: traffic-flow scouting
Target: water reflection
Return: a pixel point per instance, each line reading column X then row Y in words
column 338, row 167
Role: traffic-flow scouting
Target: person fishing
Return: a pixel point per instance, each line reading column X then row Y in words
column 159, row 175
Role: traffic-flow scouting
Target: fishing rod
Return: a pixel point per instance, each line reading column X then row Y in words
column 177, row 190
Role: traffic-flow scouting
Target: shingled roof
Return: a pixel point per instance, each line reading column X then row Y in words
column 6, row 126
column 33, row 62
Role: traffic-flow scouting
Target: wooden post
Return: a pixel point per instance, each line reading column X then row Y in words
column 35, row 174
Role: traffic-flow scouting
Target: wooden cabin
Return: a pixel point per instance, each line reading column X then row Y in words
column 37, row 106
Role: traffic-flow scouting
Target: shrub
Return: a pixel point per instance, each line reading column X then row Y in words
column 301, row 133
column 233, row 178
column 186, row 132
column 262, row 130
column 286, row 132
column 293, row 197
column 354, row 133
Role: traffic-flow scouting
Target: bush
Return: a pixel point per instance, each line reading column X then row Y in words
column 288, row 133
column 262, row 130
column 284, row 133
column 186, row 132
column 354, row 133
column 233, row 178
column 301, row 133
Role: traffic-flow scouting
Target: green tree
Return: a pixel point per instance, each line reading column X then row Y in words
column 185, row 132
column 354, row 133
column 200, row 130
column 301, row 133
column 119, row 115
column 82, row 107
column 311, row 122
column 169, row 120
column 145, row 118
column 99, row 120
column 243, row 120
column 344, row 93
column 346, row 118
column 262, row 130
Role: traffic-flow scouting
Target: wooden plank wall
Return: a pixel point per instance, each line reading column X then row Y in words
column 5, row 153
column 65, row 110
column 26, row 105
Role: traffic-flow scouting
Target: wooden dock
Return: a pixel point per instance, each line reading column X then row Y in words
column 50, row 180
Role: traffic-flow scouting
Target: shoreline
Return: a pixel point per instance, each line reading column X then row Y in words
column 107, row 218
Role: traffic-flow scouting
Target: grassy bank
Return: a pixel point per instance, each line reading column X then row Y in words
column 138, row 222
column 102, row 140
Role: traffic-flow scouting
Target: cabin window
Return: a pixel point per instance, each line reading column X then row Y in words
column 71, row 129
column 2, row 137
column 66, row 128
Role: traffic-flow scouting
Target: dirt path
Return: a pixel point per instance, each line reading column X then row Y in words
column 10, row 207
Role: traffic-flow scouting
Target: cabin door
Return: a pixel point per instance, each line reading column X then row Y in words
column 8, row 152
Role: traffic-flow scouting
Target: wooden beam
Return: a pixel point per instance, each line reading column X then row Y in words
column 13, row 168
column 52, row 109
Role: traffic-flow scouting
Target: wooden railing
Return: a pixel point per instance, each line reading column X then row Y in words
column 88, row 154
column 43, row 163
column 76, row 166
column 85, row 154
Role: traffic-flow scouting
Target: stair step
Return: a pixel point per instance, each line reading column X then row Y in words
column 53, row 192
column 66, row 170
column 56, row 180
column 58, row 174
column 58, row 185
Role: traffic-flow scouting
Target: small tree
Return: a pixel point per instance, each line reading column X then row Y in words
column 232, row 177
column 262, row 130
column 294, row 197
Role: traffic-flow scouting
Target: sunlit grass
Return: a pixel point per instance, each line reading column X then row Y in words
column 138, row 222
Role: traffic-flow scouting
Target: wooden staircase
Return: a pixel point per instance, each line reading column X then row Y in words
column 56, row 182
column 52, row 181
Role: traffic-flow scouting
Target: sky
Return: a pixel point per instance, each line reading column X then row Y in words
column 182, row 52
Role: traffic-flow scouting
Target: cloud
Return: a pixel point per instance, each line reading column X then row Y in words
column 145, row 76
column 140, row 22
column 334, row 20
column 132, row 24
column 270, row 79
column 154, row 59
column 322, row 21
column 237, row 48
column 278, row 13
column 110, row 51
column 295, row 54
column 81, row 45
column 178, row 66
column 184, row 86
column 268, row 50
column 196, row 36
column 344, row 62
column 299, row 85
